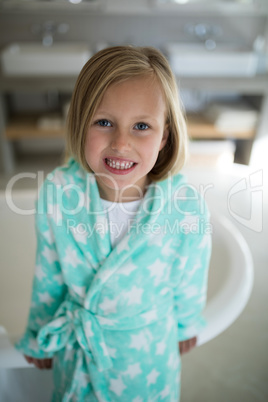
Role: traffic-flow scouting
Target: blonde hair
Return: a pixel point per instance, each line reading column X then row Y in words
column 116, row 64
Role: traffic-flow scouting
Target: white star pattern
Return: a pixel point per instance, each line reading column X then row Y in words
column 99, row 397
column 202, row 299
column 137, row 399
column 173, row 361
column 170, row 323
column 160, row 348
column 33, row 304
column 156, row 240
column 58, row 278
column 39, row 272
column 190, row 332
column 101, row 226
column 152, row 377
column 80, row 174
column 107, row 273
column 203, row 290
column 183, row 261
column 204, row 242
column 72, row 190
column 80, row 290
column 59, row 178
column 111, row 351
column 191, row 291
column 69, row 355
column 139, row 342
column 157, row 271
column 127, row 268
column 71, row 257
column 84, row 379
column 133, row 370
column 91, row 179
column 45, row 298
column 117, row 386
column 149, row 335
column 80, row 236
column 134, row 295
column 165, row 392
column 50, row 255
column 54, row 211
column 106, row 321
column 33, row 344
column 108, row 305
column 93, row 265
column 196, row 267
column 52, row 344
column 164, row 291
column 150, row 316
column 166, row 249
column 88, row 329
column 181, row 193
column 49, row 236
column 87, row 202
column 123, row 245
column 40, row 322
column 104, row 348
column 188, row 222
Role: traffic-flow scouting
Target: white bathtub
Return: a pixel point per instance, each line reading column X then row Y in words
column 230, row 277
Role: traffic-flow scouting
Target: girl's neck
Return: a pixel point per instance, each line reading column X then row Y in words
column 128, row 194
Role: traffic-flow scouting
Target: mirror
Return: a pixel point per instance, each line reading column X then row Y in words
column 206, row 1
column 228, row 6
column 50, row 3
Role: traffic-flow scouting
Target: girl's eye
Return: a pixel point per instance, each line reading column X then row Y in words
column 141, row 126
column 104, row 123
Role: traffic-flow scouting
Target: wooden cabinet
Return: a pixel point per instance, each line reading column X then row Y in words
column 19, row 127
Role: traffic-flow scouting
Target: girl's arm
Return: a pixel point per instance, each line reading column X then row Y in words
column 190, row 277
column 48, row 289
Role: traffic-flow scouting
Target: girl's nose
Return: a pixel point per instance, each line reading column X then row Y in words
column 120, row 142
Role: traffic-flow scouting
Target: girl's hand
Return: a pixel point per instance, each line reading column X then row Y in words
column 39, row 363
column 186, row 346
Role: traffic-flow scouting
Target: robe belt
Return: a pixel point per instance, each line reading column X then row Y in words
column 72, row 322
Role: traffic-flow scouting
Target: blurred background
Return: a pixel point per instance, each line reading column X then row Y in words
column 218, row 50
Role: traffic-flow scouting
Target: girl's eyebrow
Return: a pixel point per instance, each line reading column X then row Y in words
column 102, row 112
column 136, row 118
column 144, row 117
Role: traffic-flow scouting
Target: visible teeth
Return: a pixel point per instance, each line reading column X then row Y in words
column 119, row 165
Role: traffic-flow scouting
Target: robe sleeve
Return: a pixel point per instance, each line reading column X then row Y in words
column 190, row 290
column 48, row 288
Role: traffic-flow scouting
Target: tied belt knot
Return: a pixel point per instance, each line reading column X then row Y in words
column 72, row 322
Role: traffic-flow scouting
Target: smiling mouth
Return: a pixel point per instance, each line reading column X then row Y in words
column 119, row 165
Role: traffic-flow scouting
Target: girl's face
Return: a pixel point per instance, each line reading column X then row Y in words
column 126, row 134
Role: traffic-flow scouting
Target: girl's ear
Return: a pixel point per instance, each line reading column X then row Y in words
column 165, row 137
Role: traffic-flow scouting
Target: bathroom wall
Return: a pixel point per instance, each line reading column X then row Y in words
column 137, row 28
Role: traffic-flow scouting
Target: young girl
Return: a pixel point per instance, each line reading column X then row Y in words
column 122, row 254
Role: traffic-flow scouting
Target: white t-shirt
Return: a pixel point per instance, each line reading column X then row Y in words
column 120, row 216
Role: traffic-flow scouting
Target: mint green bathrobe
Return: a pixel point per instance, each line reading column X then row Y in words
column 112, row 318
